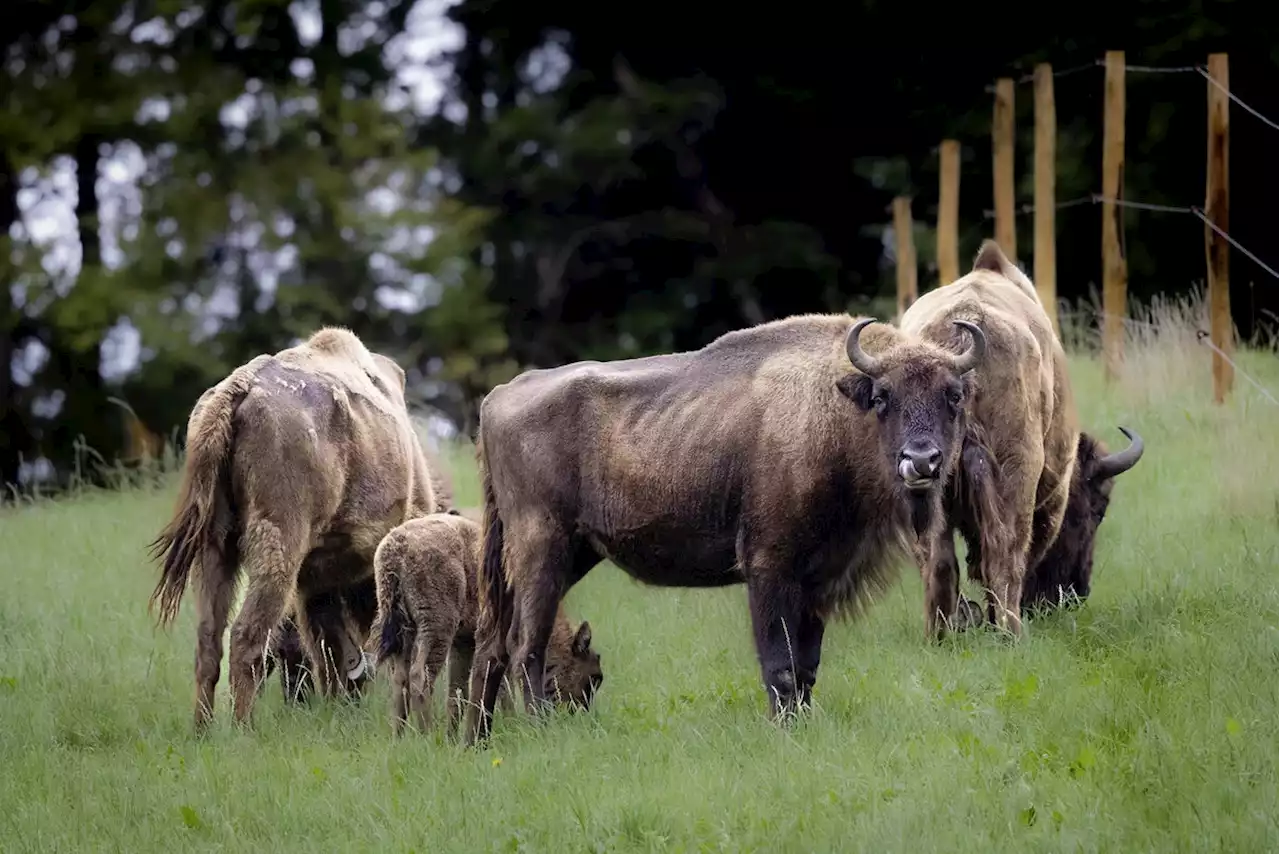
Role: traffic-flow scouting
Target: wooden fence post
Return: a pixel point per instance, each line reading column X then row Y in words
column 902, row 228
column 1218, row 253
column 1046, row 255
column 1114, row 271
column 1002, row 154
column 948, row 233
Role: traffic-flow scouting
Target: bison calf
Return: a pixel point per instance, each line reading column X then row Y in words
column 426, row 572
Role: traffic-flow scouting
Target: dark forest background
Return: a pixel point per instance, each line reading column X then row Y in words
column 183, row 186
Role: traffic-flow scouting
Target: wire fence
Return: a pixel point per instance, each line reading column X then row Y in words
column 1202, row 336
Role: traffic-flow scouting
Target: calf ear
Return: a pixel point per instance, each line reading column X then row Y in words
column 582, row 639
column 856, row 387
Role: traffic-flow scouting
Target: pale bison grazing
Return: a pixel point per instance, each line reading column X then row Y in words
column 1023, row 454
column 297, row 466
column 800, row 456
column 347, row 615
column 426, row 572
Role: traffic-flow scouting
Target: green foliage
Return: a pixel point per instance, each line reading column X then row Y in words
column 255, row 201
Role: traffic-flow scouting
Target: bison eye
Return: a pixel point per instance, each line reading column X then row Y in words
column 880, row 400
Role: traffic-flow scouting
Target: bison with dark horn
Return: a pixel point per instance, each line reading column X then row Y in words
column 803, row 458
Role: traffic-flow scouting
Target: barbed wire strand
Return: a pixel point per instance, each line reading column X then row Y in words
column 1205, row 339
column 1202, row 337
column 1198, row 213
column 1204, row 72
column 1155, row 69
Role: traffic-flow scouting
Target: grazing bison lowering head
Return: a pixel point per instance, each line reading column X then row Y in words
column 918, row 394
column 1066, row 570
column 573, row 679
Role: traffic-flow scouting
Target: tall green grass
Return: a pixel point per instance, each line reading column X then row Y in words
column 1145, row 721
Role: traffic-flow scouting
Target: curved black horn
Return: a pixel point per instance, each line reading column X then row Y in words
column 969, row 359
column 869, row 365
column 1121, row 461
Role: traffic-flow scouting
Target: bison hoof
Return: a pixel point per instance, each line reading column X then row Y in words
column 786, row 698
column 969, row 615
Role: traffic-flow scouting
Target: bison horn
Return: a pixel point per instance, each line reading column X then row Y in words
column 869, row 365
column 969, row 359
column 1121, row 461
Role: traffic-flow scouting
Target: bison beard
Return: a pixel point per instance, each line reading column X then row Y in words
column 760, row 459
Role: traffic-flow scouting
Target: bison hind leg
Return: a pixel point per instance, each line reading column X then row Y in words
column 273, row 555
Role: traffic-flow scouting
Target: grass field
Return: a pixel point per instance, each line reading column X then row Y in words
column 1145, row 721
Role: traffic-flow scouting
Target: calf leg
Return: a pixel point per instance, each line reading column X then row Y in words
column 273, row 556
column 400, row 690
column 777, row 617
column 429, row 654
column 460, row 661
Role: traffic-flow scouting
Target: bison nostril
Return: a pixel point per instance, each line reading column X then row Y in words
column 924, row 461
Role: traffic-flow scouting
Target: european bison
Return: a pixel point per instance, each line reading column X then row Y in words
column 346, row 615
column 342, row 618
column 297, row 465
column 426, row 572
column 800, row 456
column 1064, row 573
column 1019, row 457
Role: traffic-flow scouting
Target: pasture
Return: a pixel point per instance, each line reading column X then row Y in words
column 1144, row 721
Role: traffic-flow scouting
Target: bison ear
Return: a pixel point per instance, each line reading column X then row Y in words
column 582, row 639
column 856, row 387
column 991, row 258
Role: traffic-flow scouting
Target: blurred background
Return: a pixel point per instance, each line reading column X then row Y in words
column 480, row 187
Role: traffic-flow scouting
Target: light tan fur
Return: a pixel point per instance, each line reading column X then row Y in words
column 426, row 572
column 298, row 464
column 1024, row 411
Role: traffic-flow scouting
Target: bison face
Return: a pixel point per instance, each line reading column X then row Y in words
column 918, row 393
column 1066, row 570
column 574, row 678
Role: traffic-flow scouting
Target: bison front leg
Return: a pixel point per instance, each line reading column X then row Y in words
column 488, row 671
column 941, row 575
column 542, row 567
column 788, row 641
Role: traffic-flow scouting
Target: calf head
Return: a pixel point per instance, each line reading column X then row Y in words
column 1066, row 570
column 918, row 392
column 573, row 674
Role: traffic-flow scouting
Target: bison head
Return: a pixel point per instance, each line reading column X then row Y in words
column 918, row 392
column 1067, row 568
column 573, row 675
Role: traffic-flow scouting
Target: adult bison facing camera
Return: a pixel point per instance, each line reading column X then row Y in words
column 801, row 456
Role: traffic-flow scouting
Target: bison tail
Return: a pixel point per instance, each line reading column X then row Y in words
column 202, row 524
column 392, row 618
column 496, row 600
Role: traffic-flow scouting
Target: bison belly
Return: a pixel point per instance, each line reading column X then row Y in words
column 667, row 556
